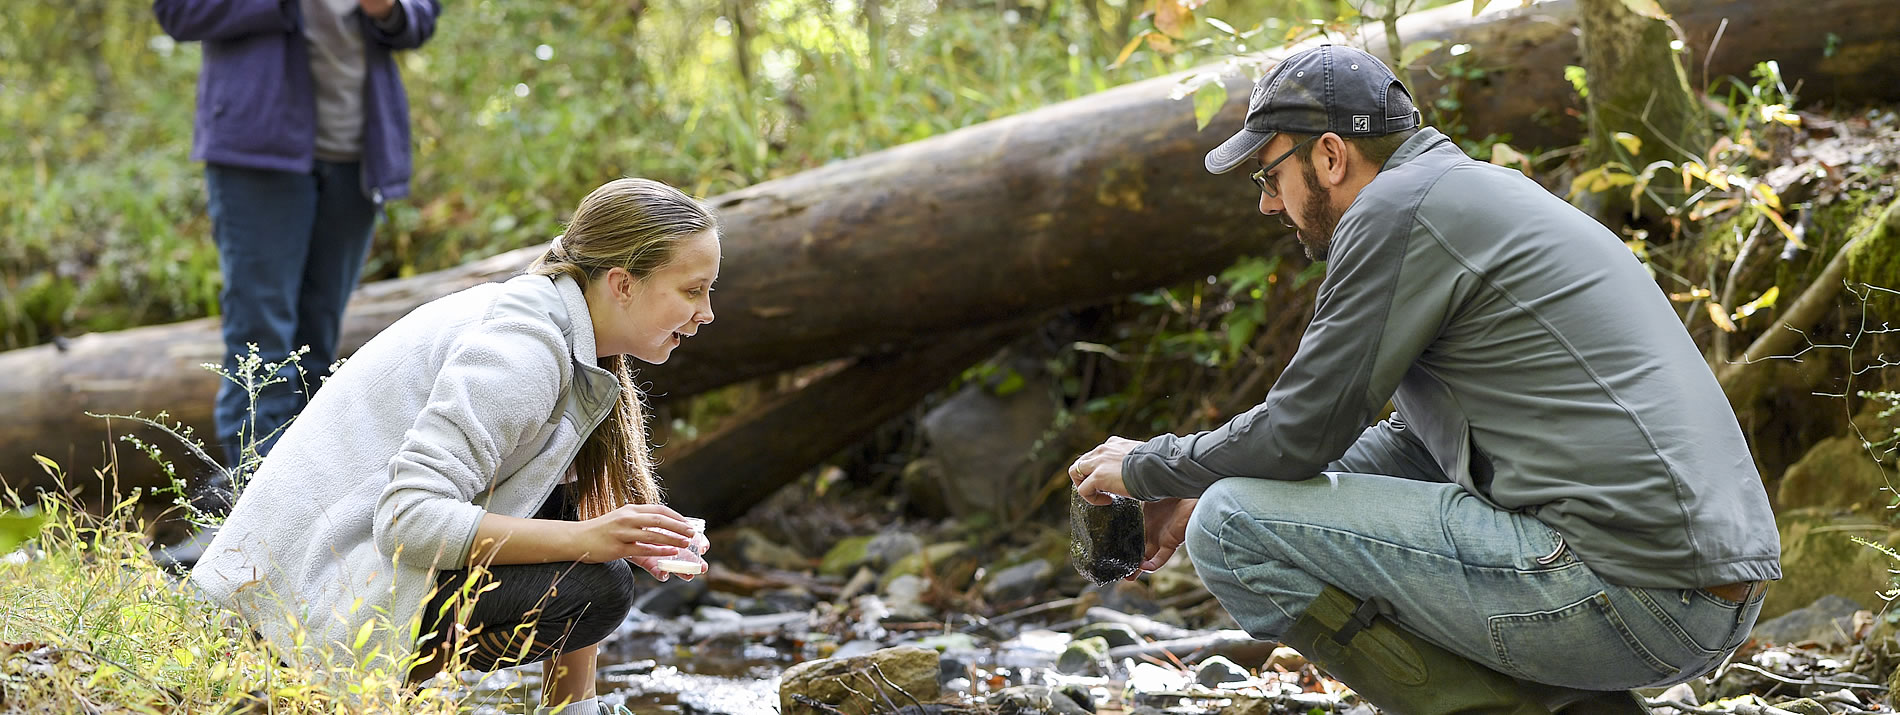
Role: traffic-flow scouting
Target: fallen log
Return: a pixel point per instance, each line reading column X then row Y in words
column 1072, row 204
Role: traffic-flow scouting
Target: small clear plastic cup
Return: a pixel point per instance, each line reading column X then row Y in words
column 687, row 562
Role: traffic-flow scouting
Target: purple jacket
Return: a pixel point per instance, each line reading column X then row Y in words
column 256, row 105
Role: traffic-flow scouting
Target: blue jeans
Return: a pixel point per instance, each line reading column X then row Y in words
column 291, row 248
column 1497, row 587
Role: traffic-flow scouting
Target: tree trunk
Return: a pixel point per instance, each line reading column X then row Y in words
column 1637, row 86
column 1069, row 205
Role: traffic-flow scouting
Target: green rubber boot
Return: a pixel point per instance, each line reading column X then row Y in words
column 1403, row 674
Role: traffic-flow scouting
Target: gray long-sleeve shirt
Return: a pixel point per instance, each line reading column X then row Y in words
column 1529, row 352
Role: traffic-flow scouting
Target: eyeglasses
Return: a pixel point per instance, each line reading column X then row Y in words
column 1271, row 187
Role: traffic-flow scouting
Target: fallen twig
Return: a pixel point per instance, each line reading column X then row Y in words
column 1771, row 675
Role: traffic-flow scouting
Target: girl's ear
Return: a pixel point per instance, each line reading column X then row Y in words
column 622, row 283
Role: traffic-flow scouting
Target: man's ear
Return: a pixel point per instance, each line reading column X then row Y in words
column 1330, row 159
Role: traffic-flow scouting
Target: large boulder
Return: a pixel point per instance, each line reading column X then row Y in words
column 983, row 439
column 1820, row 557
column 1837, row 473
column 860, row 685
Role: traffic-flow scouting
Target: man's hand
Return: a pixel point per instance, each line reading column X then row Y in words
column 1098, row 474
column 377, row 9
column 1166, row 523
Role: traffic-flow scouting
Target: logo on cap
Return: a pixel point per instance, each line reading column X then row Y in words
column 1362, row 122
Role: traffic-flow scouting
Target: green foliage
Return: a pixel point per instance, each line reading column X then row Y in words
column 518, row 110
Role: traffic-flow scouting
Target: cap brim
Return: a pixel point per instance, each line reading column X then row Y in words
column 1237, row 150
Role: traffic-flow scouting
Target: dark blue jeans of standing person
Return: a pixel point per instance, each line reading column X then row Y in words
column 291, row 247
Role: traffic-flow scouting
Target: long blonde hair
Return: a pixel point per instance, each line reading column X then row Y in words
column 635, row 224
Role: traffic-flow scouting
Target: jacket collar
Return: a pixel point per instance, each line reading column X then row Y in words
column 1425, row 140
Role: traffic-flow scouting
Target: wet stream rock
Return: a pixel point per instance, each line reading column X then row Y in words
column 1105, row 541
column 1043, row 700
column 861, row 684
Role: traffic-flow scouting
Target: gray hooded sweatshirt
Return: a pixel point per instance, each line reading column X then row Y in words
column 1529, row 353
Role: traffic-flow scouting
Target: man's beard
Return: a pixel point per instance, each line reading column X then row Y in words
column 1318, row 218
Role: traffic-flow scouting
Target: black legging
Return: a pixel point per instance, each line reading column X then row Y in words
column 537, row 611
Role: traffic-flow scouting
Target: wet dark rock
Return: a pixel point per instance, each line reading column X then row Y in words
column 1037, row 700
column 890, row 547
column 984, row 440
column 670, row 598
column 761, row 550
column 1105, row 542
column 717, row 614
column 794, row 598
column 629, row 668
column 949, row 563
column 1828, row 620
column 846, row 555
column 957, row 662
column 1018, row 582
column 1086, row 656
column 1124, row 596
column 1217, row 670
column 861, row 684
column 1117, row 634
column 904, row 597
column 1805, row 706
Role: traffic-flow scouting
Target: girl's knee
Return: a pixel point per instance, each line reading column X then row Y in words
column 606, row 594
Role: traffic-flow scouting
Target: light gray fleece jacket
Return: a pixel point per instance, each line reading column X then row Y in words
column 1529, row 353
column 476, row 402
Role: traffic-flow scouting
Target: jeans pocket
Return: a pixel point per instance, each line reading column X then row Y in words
column 1699, row 622
column 1583, row 645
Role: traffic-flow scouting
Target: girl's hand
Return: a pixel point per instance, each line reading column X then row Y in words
column 631, row 532
column 652, row 564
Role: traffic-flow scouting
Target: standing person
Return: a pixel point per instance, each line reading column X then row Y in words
column 498, row 427
column 1562, row 506
column 304, row 130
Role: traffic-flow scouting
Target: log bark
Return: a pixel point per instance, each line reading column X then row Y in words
column 1073, row 204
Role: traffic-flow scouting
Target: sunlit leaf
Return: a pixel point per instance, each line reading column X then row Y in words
column 1696, row 293
column 1780, row 113
column 1602, row 178
column 1719, row 316
column 1765, row 300
column 363, row 634
column 1630, row 143
column 1477, row 6
column 1218, row 24
column 1503, row 154
column 1646, row 8
column 1717, row 177
column 1172, row 18
column 1207, row 102
column 1768, row 195
column 51, row 467
column 1129, row 49
column 1415, row 50
column 1774, row 217
column 17, row 528
column 1160, row 43
column 1705, row 209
